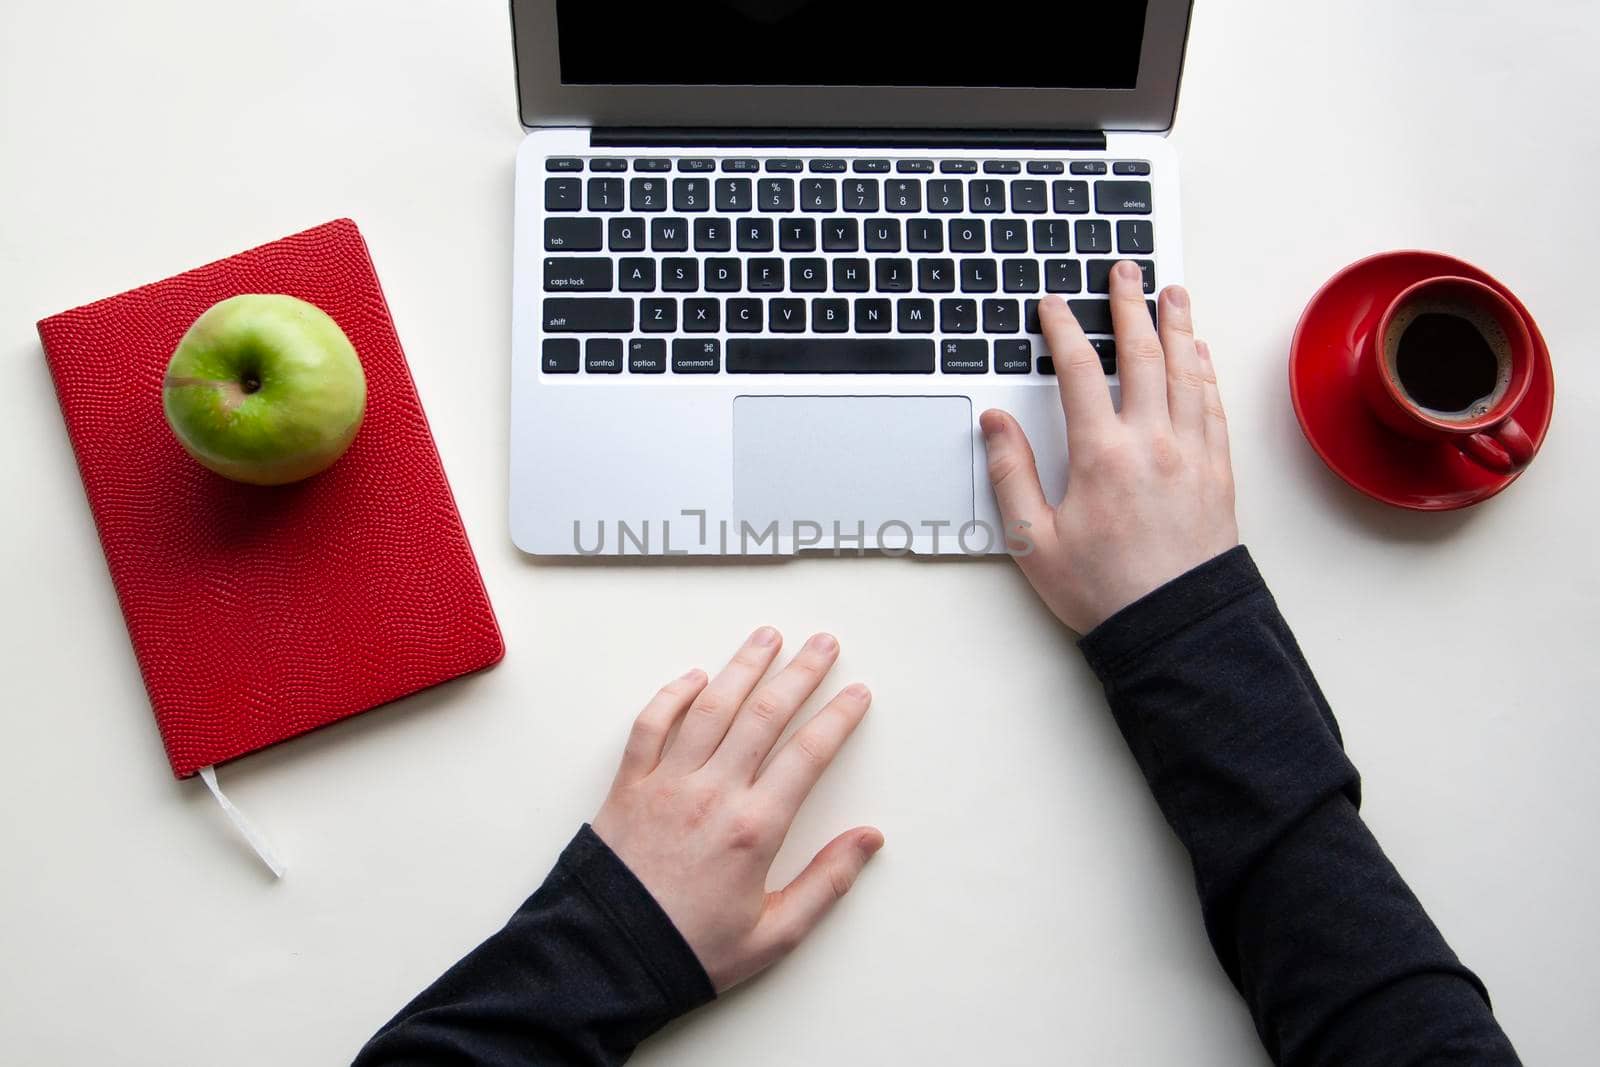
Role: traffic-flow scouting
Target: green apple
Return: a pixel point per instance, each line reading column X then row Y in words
column 264, row 388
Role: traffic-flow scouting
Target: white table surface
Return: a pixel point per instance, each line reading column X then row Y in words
column 1030, row 906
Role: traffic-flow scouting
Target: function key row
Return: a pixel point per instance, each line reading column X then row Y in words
column 746, row 164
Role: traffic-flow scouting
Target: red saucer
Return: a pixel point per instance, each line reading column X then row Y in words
column 1422, row 475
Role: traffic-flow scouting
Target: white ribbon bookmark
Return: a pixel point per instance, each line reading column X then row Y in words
column 256, row 839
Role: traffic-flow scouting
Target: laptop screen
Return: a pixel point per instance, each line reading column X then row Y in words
column 1065, row 44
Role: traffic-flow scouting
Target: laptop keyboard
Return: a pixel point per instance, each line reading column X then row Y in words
column 801, row 265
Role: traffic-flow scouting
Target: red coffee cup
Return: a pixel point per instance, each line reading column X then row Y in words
column 1446, row 341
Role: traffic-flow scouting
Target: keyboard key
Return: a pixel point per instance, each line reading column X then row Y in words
column 1020, row 275
column 850, row 276
column 964, row 357
column 924, row 235
column 1093, row 235
column 914, row 316
column 733, row 194
column 696, row 166
column 966, row 235
column 786, row 315
column 1070, row 198
column 1008, row 235
column 902, row 194
column 987, row 194
column 1122, row 198
column 651, row 163
column 559, row 355
column 755, row 235
column 636, row 275
column 819, row 194
column 691, row 194
column 669, row 235
column 658, row 315
column 1000, row 316
column 783, row 165
column 1050, row 235
column 647, row 194
column 883, row 235
column 1001, row 166
column 560, row 163
column 830, row 315
column 588, row 314
column 712, row 235
column 776, row 194
column 861, row 194
column 679, row 275
column 577, row 275
column 1106, row 349
column 1013, row 356
column 1027, row 197
column 647, row 356
column 702, row 315
column 608, row 163
column 1100, row 274
column 605, row 194
column 1047, row 365
column 840, row 235
column 958, row 166
column 745, row 315
column 946, row 195
column 893, row 275
column 765, row 275
column 1135, row 236
column 1062, row 276
column 936, row 275
column 872, row 316
column 797, row 235
column 1091, row 167
column 1130, row 168
column 723, row 274
column 827, row 166
column 914, row 166
column 870, row 166
column 1045, row 166
column 979, row 276
column 572, row 235
column 740, row 165
column 1094, row 315
column 623, row 234
column 696, row 356
column 831, row 355
column 808, row 275
column 602, row 355
column 958, row 316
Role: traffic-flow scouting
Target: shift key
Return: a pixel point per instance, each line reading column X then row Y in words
column 577, row 274
column 594, row 315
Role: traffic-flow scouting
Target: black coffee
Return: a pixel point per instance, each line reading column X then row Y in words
column 1445, row 363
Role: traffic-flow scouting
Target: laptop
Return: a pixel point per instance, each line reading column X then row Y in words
column 773, row 258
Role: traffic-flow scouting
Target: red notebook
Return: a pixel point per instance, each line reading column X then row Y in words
column 257, row 613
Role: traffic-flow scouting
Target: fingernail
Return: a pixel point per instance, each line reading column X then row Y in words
column 1129, row 271
column 856, row 691
column 764, row 636
column 824, row 643
column 991, row 423
column 692, row 675
column 1204, row 350
column 1057, row 302
column 1178, row 297
column 869, row 842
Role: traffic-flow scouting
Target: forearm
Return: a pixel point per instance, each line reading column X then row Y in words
column 584, row 971
column 1337, row 960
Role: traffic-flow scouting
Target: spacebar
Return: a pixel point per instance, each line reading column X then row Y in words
column 830, row 355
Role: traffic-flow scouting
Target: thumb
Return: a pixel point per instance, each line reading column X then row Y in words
column 794, row 910
column 1012, row 471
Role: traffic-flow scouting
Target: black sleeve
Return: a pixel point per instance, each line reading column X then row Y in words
column 587, row 968
column 1334, row 955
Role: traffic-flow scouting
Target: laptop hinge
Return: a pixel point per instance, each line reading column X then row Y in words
column 822, row 137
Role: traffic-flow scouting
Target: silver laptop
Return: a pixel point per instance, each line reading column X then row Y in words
column 773, row 258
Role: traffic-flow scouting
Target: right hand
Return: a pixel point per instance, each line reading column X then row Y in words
column 1149, row 490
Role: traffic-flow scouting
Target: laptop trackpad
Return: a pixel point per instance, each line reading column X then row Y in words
column 853, row 459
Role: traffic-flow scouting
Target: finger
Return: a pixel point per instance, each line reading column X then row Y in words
column 1185, row 378
column 764, row 717
column 1216, row 418
column 1140, row 361
column 1012, row 471
column 648, row 737
column 1085, row 396
column 795, row 769
column 713, row 709
column 794, row 911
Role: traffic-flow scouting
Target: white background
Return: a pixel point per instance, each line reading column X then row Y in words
column 1030, row 905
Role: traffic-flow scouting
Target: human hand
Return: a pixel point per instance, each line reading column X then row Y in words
column 1150, row 489
column 698, row 819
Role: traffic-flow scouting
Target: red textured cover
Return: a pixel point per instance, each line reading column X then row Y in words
column 261, row 613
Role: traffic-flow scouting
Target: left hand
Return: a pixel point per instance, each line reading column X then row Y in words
column 698, row 819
